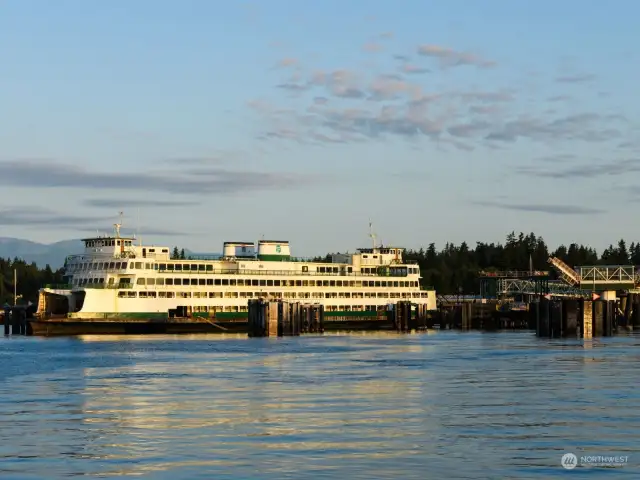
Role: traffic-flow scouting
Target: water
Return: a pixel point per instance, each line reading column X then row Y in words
column 378, row 406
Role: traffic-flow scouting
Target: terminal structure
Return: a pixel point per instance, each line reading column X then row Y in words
column 594, row 281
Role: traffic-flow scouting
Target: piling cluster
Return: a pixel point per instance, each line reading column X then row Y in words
column 576, row 318
column 630, row 307
column 15, row 320
column 405, row 316
column 280, row 319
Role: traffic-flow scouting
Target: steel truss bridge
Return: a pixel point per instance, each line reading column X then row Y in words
column 598, row 277
column 519, row 286
column 580, row 282
column 535, row 282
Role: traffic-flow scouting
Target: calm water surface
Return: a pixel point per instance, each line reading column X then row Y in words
column 442, row 405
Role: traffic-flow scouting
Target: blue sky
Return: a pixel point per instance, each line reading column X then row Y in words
column 213, row 121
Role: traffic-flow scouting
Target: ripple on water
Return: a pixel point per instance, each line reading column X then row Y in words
column 445, row 405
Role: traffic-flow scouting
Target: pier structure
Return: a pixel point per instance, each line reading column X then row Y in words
column 604, row 280
column 504, row 285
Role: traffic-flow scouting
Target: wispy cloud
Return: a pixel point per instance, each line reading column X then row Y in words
column 413, row 69
column 372, row 47
column 287, row 62
column 35, row 216
column 550, row 209
column 449, row 57
column 576, row 78
column 122, row 203
column 584, row 170
column 192, row 180
column 589, row 127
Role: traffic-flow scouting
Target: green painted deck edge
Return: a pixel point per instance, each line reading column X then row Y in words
column 275, row 258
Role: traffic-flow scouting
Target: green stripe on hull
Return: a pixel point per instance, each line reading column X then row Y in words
column 219, row 315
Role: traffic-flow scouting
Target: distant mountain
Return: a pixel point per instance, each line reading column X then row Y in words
column 52, row 254
column 41, row 253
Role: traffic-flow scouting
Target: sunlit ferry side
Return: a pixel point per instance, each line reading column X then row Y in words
column 115, row 278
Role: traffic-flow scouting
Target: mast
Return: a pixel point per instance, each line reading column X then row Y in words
column 118, row 225
column 372, row 235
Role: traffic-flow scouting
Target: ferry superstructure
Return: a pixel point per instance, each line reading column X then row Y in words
column 117, row 278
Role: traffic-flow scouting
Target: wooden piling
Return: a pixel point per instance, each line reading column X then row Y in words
column 608, row 317
column 22, row 321
column 401, row 315
column 543, row 325
column 598, row 318
column 273, row 318
column 635, row 314
column 7, row 319
column 587, row 319
column 277, row 318
column 569, row 318
column 555, row 319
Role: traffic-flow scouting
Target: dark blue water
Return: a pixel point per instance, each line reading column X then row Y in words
column 443, row 406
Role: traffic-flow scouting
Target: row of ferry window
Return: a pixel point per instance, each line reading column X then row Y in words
column 289, row 295
column 240, row 282
column 243, row 308
column 201, row 267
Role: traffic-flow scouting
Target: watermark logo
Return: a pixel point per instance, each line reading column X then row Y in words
column 570, row 461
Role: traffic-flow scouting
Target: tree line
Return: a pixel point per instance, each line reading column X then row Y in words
column 456, row 268
column 30, row 280
column 450, row 270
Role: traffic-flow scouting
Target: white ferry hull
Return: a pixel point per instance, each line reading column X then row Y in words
column 115, row 279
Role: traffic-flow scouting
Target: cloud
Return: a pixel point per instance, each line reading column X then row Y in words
column 386, row 35
column 372, row 47
column 191, row 180
column 468, row 129
column 413, row 69
column 120, row 203
column 340, row 83
column 36, row 216
column 287, row 62
column 452, row 58
column 584, row 126
column 588, row 170
column 352, row 105
column 144, row 231
column 294, row 87
column 42, row 217
column 557, row 158
column 556, row 209
column 577, row 78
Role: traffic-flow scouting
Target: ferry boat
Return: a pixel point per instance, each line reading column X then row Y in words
column 116, row 277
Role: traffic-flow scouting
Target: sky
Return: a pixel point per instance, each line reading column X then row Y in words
column 211, row 121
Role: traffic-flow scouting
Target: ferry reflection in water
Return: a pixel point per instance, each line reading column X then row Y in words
column 446, row 405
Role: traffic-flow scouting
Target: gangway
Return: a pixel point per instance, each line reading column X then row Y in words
column 567, row 274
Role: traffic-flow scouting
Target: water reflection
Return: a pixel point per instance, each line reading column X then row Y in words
column 450, row 405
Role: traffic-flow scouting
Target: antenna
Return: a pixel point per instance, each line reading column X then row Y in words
column 118, row 225
column 372, row 235
column 138, row 229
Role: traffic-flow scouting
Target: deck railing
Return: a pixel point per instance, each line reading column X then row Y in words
column 246, row 272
